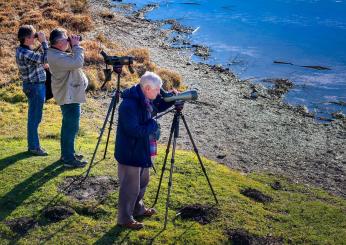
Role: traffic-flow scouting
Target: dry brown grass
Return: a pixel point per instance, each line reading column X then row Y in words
column 44, row 16
column 92, row 52
column 170, row 78
column 107, row 14
column 75, row 17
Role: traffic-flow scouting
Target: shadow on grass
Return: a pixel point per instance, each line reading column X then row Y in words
column 113, row 236
column 7, row 161
column 22, row 191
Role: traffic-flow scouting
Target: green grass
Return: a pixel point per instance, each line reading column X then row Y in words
column 298, row 214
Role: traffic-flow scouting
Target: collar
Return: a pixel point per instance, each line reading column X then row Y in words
column 25, row 46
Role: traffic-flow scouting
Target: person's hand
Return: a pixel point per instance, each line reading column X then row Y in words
column 41, row 37
column 174, row 91
column 74, row 40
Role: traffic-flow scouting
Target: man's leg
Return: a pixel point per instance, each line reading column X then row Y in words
column 129, row 178
column 144, row 181
column 35, row 95
column 69, row 130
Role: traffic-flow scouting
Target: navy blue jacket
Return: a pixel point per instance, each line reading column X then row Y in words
column 132, row 139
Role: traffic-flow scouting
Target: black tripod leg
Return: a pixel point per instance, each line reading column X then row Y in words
column 111, row 122
column 170, row 181
column 100, row 136
column 164, row 162
column 199, row 158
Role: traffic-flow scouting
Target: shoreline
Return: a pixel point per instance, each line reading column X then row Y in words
column 262, row 134
column 301, row 94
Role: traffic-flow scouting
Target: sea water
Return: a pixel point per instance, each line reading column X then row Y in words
column 248, row 36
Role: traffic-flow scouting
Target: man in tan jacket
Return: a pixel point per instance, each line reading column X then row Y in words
column 68, row 87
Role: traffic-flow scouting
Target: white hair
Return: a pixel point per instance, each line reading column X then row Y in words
column 151, row 79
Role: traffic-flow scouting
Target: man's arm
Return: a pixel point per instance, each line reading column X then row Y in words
column 36, row 57
column 70, row 62
column 129, row 121
column 160, row 105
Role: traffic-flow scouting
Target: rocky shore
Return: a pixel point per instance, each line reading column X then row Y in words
column 237, row 123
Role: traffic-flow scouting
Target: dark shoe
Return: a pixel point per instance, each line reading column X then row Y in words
column 134, row 225
column 77, row 157
column 38, row 152
column 147, row 213
column 74, row 164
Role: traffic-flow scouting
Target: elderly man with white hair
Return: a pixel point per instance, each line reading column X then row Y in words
column 135, row 146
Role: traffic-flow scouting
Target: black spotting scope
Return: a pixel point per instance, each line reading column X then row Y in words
column 184, row 96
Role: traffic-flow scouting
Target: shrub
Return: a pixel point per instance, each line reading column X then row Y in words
column 169, row 78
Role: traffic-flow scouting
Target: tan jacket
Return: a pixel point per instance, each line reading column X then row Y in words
column 68, row 80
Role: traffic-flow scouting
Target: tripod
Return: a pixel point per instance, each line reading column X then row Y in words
column 178, row 107
column 111, row 110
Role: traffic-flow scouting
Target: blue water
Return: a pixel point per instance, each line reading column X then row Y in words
column 247, row 36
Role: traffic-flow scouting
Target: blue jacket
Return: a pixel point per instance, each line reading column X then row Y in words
column 132, row 139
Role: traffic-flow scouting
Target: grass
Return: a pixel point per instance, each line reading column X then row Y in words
column 297, row 214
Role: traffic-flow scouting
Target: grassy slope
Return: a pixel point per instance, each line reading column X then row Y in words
column 27, row 184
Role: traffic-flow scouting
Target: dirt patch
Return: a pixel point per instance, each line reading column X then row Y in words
column 256, row 195
column 92, row 188
column 22, row 225
column 200, row 213
column 57, row 213
column 241, row 237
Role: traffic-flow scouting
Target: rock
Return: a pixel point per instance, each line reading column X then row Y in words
column 281, row 86
column 317, row 67
column 201, row 51
column 302, row 109
column 221, row 156
column 338, row 115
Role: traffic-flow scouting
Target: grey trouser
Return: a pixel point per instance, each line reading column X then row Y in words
column 133, row 183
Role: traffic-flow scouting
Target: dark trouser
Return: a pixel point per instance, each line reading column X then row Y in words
column 35, row 92
column 69, row 129
column 133, row 183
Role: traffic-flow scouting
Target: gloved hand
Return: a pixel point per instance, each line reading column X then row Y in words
column 158, row 132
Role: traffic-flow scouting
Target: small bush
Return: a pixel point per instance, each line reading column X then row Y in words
column 93, row 79
column 169, row 78
column 107, row 14
column 78, row 22
column 92, row 52
column 140, row 54
column 78, row 6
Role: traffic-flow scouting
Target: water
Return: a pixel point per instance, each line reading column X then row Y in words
column 248, row 36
